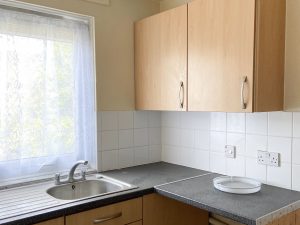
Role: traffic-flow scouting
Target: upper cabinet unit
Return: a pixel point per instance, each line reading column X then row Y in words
column 236, row 55
column 161, row 61
column 212, row 55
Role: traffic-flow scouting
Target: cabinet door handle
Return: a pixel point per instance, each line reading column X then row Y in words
column 243, row 103
column 104, row 219
column 181, row 95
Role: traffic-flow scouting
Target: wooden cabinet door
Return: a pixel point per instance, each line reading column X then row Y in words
column 58, row 221
column 161, row 61
column 159, row 210
column 220, row 54
column 116, row 214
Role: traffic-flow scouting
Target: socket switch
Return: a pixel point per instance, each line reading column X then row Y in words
column 230, row 151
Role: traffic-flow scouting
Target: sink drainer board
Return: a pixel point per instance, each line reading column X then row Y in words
column 31, row 198
column 237, row 185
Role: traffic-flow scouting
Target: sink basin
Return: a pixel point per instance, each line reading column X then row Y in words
column 89, row 188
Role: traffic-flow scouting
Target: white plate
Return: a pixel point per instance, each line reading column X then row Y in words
column 237, row 185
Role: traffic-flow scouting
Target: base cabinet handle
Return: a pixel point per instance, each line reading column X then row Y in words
column 104, row 219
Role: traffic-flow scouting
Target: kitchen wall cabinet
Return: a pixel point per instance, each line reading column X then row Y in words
column 58, row 221
column 235, row 57
column 161, row 61
column 116, row 214
column 159, row 210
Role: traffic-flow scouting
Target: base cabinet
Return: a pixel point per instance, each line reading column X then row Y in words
column 154, row 209
column 159, row 210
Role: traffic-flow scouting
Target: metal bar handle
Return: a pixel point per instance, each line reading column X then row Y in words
column 102, row 220
column 243, row 103
column 181, row 95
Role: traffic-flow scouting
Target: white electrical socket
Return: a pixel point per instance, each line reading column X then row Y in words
column 263, row 157
column 274, row 159
column 230, row 151
column 268, row 158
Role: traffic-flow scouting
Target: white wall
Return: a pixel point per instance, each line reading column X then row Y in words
column 128, row 138
column 198, row 140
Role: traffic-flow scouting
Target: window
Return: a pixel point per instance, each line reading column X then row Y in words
column 47, row 93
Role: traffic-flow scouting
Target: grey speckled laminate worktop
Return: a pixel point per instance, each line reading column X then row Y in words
column 190, row 186
column 145, row 177
column 259, row 208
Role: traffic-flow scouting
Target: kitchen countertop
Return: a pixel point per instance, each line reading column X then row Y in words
column 184, row 184
column 259, row 208
column 145, row 177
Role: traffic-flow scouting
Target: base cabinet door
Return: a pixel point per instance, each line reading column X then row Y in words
column 58, row 221
column 116, row 214
column 159, row 210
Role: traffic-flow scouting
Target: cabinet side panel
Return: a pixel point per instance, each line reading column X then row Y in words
column 269, row 55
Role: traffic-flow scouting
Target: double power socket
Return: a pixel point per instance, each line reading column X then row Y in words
column 263, row 157
column 268, row 158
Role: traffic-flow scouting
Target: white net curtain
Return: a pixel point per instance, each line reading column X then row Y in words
column 47, row 100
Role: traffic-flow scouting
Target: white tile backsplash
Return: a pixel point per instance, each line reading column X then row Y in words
column 238, row 140
column 255, row 143
column 217, row 162
column 236, row 166
column 141, row 155
column 187, row 138
column 236, row 122
column 296, row 124
column 109, row 160
column 140, row 119
column 255, row 170
column 202, row 139
column 126, row 158
column 141, row 137
column 283, row 146
column 296, row 151
column 257, row 123
column 186, row 142
column 109, row 121
column 280, row 176
column 198, row 139
column 128, row 138
column 125, row 138
column 296, row 177
column 280, row 124
column 218, row 121
column 217, row 141
column 109, row 140
column 125, row 120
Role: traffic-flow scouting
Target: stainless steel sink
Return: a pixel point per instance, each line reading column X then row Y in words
column 92, row 187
